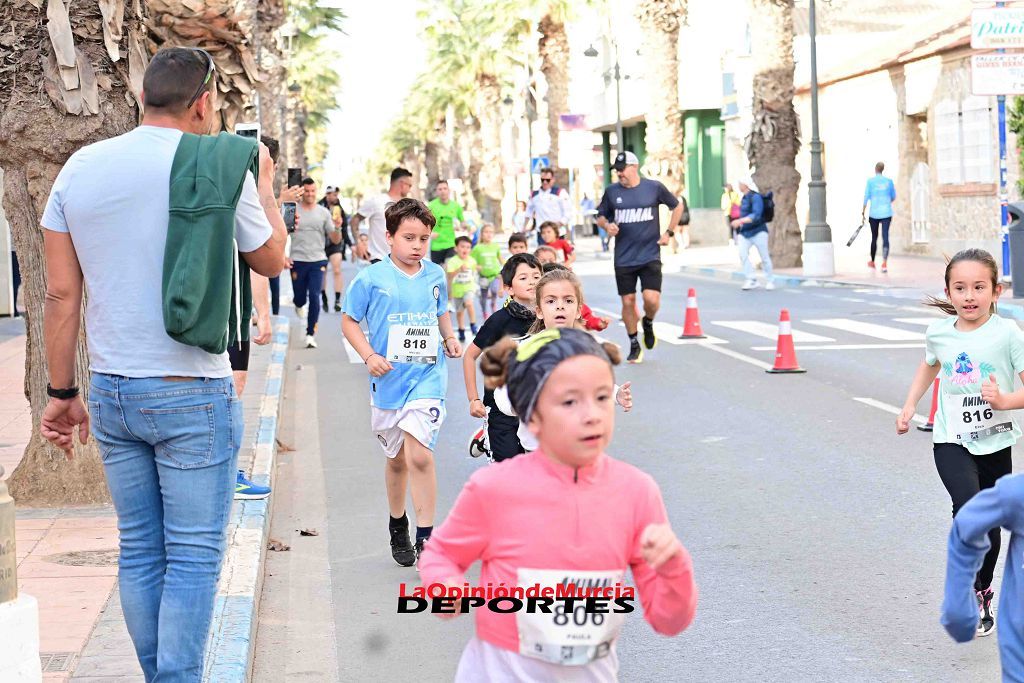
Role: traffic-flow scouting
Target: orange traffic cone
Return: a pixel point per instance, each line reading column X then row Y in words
column 691, row 327
column 935, row 406
column 785, row 353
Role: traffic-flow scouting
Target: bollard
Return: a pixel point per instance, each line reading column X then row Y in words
column 8, row 556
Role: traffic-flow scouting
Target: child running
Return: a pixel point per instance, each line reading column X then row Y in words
column 559, row 298
column 487, row 254
column 999, row 506
column 519, row 275
column 564, row 513
column 546, row 254
column 462, row 282
column 591, row 322
column 973, row 432
column 549, row 233
column 517, row 243
column 404, row 301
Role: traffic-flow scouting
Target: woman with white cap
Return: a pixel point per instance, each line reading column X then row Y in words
column 753, row 232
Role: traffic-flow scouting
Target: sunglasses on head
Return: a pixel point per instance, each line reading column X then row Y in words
column 210, row 69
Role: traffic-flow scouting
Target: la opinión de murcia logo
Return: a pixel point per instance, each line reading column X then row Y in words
column 587, row 596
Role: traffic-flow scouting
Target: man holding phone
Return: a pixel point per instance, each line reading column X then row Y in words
column 313, row 226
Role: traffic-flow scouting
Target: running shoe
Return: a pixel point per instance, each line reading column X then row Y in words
column 300, row 311
column 310, row 342
column 769, row 285
column 473, row 328
column 986, row 616
column 871, row 264
column 337, row 306
column 885, row 266
column 478, row 443
column 401, row 546
column 462, row 336
column 323, row 300
column 650, row 341
column 246, row 490
column 636, row 354
column 750, row 284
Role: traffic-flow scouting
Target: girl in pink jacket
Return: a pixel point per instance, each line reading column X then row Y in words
column 566, row 514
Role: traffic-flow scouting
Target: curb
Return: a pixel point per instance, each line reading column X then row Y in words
column 229, row 648
column 791, row 280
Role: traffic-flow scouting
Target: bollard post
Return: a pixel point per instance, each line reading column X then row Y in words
column 8, row 555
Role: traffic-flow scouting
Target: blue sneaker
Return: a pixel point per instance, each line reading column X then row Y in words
column 246, row 490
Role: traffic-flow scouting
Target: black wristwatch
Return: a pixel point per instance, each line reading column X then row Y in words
column 670, row 233
column 61, row 394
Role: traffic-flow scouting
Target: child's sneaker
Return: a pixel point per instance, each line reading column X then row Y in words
column 473, row 328
column 986, row 617
column 462, row 336
column 402, row 549
column 885, row 266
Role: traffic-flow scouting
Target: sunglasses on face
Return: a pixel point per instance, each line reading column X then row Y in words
column 210, row 69
column 546, row 180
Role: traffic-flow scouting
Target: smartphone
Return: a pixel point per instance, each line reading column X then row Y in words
column 288, row 212
column 294, row 177
column 248, row 130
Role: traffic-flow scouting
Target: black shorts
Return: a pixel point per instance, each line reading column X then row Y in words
column 332, row 249
column 442, row 255
column 649, row 275
column 239, row 356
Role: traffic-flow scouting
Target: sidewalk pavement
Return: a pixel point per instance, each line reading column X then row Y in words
column 67, row 558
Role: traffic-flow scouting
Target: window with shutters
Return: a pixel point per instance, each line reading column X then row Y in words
column 965, row 146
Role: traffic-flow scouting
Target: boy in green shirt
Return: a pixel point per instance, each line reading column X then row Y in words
column 462, row 272
column 448, row 214
column 488, row 255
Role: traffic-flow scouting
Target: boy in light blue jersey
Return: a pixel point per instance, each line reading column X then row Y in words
column 404, row 301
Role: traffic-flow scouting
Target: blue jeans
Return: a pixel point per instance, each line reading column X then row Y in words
column 307, row 281
column 169, row 449
column 759, row 241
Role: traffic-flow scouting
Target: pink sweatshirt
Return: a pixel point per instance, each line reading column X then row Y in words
column 533, row 512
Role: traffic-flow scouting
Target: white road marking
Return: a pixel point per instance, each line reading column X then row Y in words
column 920, row 419
column 737, row 356
column 843, row 347
column 353, row 356
column 768, row 330
column 927, row 320
column 868, row 329
column 666, row 332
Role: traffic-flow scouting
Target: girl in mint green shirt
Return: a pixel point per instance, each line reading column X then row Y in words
column 975, row 355
column 487, row 254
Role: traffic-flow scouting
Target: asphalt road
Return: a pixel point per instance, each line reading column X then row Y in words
column 818, row 535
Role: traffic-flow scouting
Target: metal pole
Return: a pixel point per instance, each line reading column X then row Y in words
column 818, row 259
column 1004, row 218
column 618, row 99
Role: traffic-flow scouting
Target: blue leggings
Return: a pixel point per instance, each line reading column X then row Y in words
column 884, row 222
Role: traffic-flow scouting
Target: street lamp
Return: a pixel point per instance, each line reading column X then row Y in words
column 819, row 259
column 591, row 51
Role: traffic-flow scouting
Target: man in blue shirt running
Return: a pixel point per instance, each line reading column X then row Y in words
column 880, row 194
column 404, row 301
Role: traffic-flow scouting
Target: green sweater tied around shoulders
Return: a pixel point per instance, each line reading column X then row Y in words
column 207, row 296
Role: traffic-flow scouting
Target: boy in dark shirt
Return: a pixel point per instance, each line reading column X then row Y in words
column 519, row 275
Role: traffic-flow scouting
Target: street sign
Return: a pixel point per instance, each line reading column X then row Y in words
column 537, row 163
column 999, row 74
column 997, row 27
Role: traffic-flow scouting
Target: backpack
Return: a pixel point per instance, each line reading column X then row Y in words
column 769, row 207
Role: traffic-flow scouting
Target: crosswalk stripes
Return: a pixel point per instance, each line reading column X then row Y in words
column 769, row 331
column 883, row 332
column 927, row 320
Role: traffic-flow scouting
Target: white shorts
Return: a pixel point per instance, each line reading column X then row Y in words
column 421, row 418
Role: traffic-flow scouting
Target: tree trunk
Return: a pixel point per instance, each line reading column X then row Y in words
column 411, row 161
column 296, row 132
column 491, row 188
column 274, row 79
column 553, row 46
column 432, row 167
column 659, row 21
column 42, row 122
column 775, row 137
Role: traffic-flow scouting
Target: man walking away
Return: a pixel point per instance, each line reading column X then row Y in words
column 448, row 213
column 880, row 193
column 335, row 252
column 753, row 232
column 164, row 413
column 629, row 212
column 372, row 211
column 313, row 225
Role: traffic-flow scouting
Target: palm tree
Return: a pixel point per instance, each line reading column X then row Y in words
column 74, row 81
column 553, row 47
column 659, row 22
column 315, row 79
column 775, row 138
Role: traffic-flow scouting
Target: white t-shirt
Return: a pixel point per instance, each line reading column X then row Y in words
column 548, row 206
column 113, row 197
column 372, row 210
